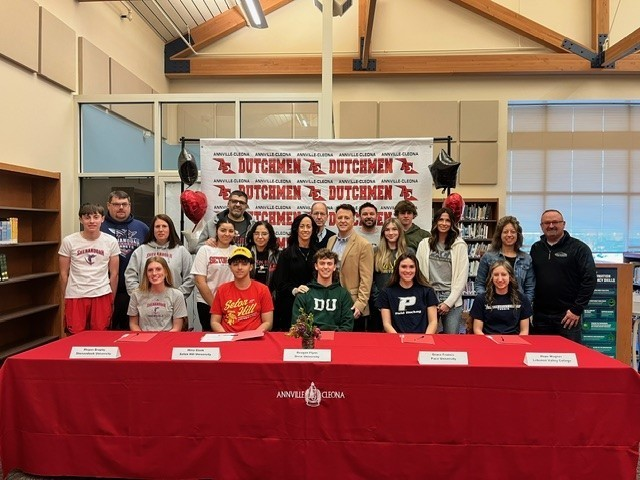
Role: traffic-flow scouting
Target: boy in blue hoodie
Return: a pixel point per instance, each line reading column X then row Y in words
column 329, row 302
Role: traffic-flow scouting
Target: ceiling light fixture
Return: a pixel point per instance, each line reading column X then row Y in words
column 253, row 13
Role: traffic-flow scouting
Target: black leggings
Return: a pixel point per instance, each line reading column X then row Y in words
column 204, row 314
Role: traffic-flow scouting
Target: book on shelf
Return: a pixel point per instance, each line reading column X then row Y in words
column 4, row 272
column 474, row 230
column 477, row 250
column 473, row 267
column 8, row 230
column 470, row 289
column 477, row 211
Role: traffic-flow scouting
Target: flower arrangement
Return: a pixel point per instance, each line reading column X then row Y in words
column 304, row 329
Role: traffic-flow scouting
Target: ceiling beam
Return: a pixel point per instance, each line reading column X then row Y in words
column 628, row 45
column 515, row 22
column 502, row 64
column 223, row 25
column 367, row 12
column 599, row 21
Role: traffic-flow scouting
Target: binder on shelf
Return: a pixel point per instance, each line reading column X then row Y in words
column 8, row 230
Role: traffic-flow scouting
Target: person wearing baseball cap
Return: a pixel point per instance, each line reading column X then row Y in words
column 242, row 304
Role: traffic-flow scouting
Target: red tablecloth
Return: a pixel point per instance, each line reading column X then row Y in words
column 381, row 414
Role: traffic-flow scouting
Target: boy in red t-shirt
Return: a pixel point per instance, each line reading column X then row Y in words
column 243, row 304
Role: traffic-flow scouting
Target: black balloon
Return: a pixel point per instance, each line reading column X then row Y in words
column 187, row 168
column 444, row 170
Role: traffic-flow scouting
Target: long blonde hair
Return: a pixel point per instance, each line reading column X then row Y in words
column 384, row 257
column 145, row 284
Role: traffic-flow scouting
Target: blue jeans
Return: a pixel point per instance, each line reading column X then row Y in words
column 451, row 321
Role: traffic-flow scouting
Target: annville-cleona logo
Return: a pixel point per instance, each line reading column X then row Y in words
column 312, row 395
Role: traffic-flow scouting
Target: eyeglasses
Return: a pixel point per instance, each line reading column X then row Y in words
column 552, row 222
column 237, row 202
column 120, row 205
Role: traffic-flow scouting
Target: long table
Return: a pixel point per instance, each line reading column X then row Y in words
column 381, row 414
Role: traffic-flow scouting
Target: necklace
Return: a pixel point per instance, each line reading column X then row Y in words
column 305, row 254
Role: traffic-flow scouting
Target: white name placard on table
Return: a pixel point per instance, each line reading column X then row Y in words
column 304, row 355
column 443, row 358
column 195, row 353
column 94, row 352
column 542, row 359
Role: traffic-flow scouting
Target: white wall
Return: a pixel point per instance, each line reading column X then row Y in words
column 37, row 121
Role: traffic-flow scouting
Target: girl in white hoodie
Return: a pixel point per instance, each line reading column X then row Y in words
column 444, row 262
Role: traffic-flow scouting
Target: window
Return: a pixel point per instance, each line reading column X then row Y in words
column 119, row 139
column 581, row 159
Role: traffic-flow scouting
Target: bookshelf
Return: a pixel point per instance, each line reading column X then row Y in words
column 634, row 259
column 477, row 226
column 30, row 311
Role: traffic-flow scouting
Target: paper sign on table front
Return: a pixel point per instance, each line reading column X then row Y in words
column 542, row 359
column 304, row 355
column 443, row 358
column 94, row 352
column 195, row 353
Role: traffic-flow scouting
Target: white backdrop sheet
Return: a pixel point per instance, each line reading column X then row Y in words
column 283, row 178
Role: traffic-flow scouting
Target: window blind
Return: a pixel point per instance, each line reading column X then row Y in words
column 581, row 159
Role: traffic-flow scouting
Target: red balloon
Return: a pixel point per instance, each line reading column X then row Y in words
column 194, row 204
column 456, row 204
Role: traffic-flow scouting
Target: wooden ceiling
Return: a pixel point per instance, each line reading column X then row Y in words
column 565, row 55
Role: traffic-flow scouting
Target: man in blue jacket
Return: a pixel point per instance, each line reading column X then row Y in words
column 565, row 279
column 130, row 233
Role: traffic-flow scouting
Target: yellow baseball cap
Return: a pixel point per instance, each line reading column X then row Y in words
column 241, row 252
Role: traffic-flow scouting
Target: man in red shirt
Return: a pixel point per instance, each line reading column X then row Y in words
column 243, row 304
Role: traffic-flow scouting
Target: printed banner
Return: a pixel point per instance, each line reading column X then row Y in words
column 283, row 178
column 599, row 321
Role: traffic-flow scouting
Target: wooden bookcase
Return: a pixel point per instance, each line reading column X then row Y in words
column 30, row 310
column 634, row 259
column 477, row 227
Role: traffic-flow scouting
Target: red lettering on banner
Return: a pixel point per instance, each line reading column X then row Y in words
column 269, row 165
column 406, row 166
column 224, row 166
column 314, row 167
column 406, row 193
column 360, row 192
column 272, row 192
column 361, row 165
column 223, row 192
column 275, row 217
column 315, row 194
column 380, row 218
